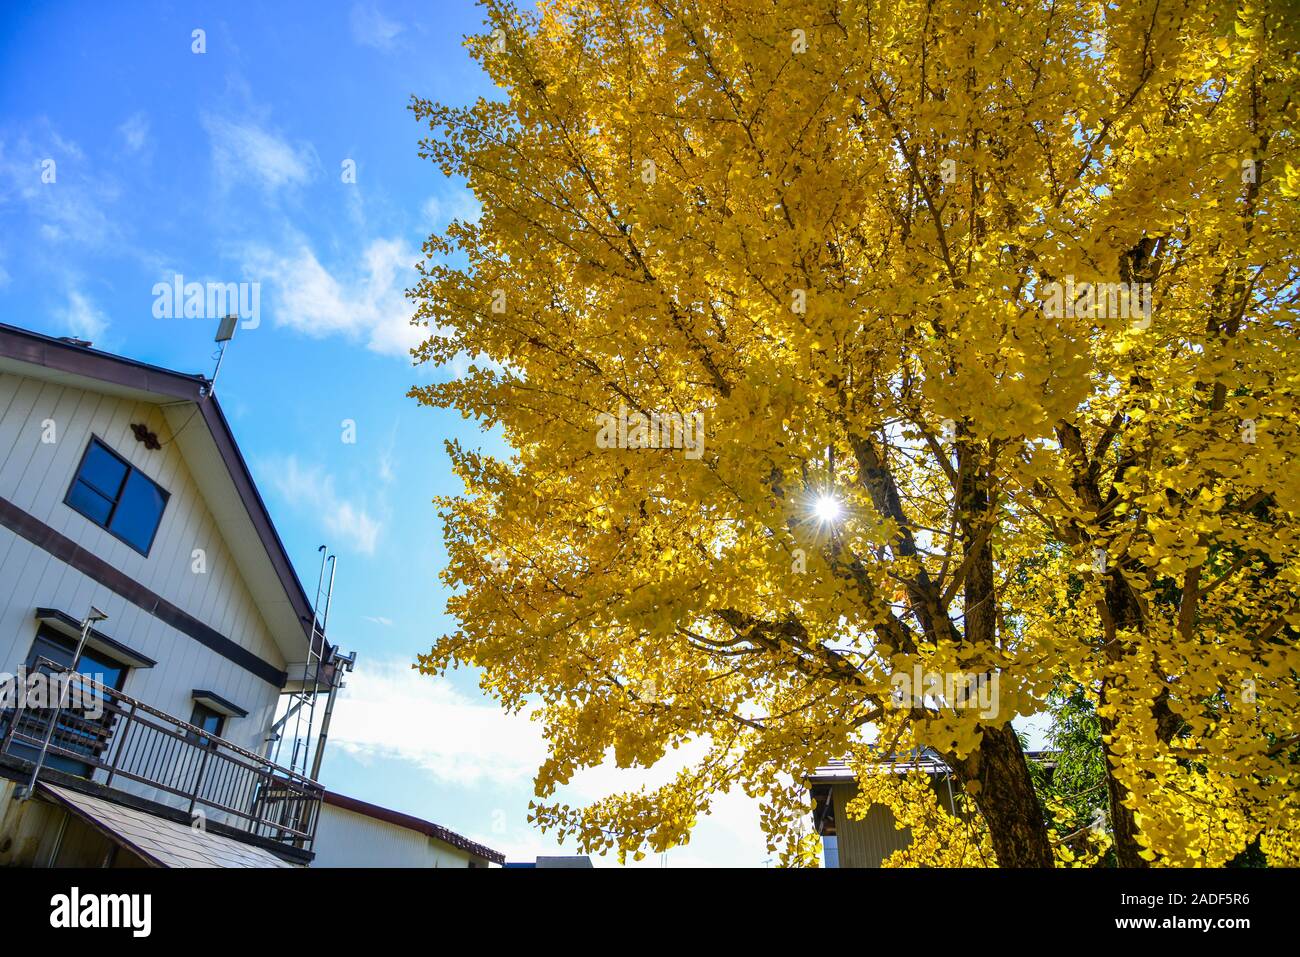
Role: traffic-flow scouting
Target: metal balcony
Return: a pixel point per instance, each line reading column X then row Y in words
column 130, row 741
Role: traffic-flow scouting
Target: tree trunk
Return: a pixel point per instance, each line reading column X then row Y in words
column 1004, row 792
column 1126, row 614
column 1005, row 797
column 1124, row 828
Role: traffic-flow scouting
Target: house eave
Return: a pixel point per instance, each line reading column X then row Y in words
column 238, row 508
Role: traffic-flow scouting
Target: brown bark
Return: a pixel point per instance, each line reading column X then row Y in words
column 1120, row 612
column 1005, row 797
column 1125, row 614
column 1003, row 790
column 1124, row 828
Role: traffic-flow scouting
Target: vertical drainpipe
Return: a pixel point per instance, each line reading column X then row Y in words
column 341, row 664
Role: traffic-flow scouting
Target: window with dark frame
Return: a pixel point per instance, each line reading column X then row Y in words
column 117, row 496
column 213, row 722
column 76, row 732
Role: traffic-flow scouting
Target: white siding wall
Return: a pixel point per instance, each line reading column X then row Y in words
column 36, row 476
column 347, row 839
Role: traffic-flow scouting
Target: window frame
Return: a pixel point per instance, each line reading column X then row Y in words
column 115, row 502
column 203, row 740
column 53, row 638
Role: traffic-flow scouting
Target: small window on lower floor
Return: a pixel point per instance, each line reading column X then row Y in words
column 213, row 722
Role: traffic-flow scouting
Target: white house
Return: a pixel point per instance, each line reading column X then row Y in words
column 122, row 490
column 353, row 833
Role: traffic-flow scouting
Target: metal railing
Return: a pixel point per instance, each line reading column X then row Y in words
column 128, row 739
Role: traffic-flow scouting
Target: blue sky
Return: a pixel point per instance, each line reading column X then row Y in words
column 227, row 166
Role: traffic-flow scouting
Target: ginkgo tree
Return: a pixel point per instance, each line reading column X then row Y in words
column 846, row 346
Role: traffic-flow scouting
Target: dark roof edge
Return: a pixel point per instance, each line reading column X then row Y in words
column 49, row 352
column 37, row 348
column 389, row 816
column 257, row 510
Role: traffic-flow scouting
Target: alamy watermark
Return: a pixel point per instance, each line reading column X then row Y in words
column 959, row 690
column 179, row 299
column 133, row 912
column 657, row 430
column 1130, row 301
column 41, row 691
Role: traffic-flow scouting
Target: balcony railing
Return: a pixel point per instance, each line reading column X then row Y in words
column 130, row 741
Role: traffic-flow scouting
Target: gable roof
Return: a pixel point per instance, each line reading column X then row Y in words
column 215, row 462
column 412, row 823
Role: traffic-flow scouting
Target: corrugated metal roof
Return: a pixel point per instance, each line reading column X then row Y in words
column 928, row 761
column 837, row 771
column 156, row 840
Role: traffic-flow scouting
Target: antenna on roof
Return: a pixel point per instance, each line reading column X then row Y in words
column 225, row 332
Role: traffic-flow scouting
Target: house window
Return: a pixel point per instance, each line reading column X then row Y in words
column 60, row 649
column 210, row 721
column 114, row 495
column 79, row 733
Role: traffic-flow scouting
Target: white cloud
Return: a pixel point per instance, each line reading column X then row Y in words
column 379, row 620
column 368, row 303
column 51, row 178
column 312, row 488
column 247, row 150
column 438, row 211
column 81, row 318
column 389, row 710
column 371, row 28
column 135, row 132
column 393, row 711
column 388, row 457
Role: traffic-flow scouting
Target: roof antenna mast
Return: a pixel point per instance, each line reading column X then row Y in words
column 225, row 332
